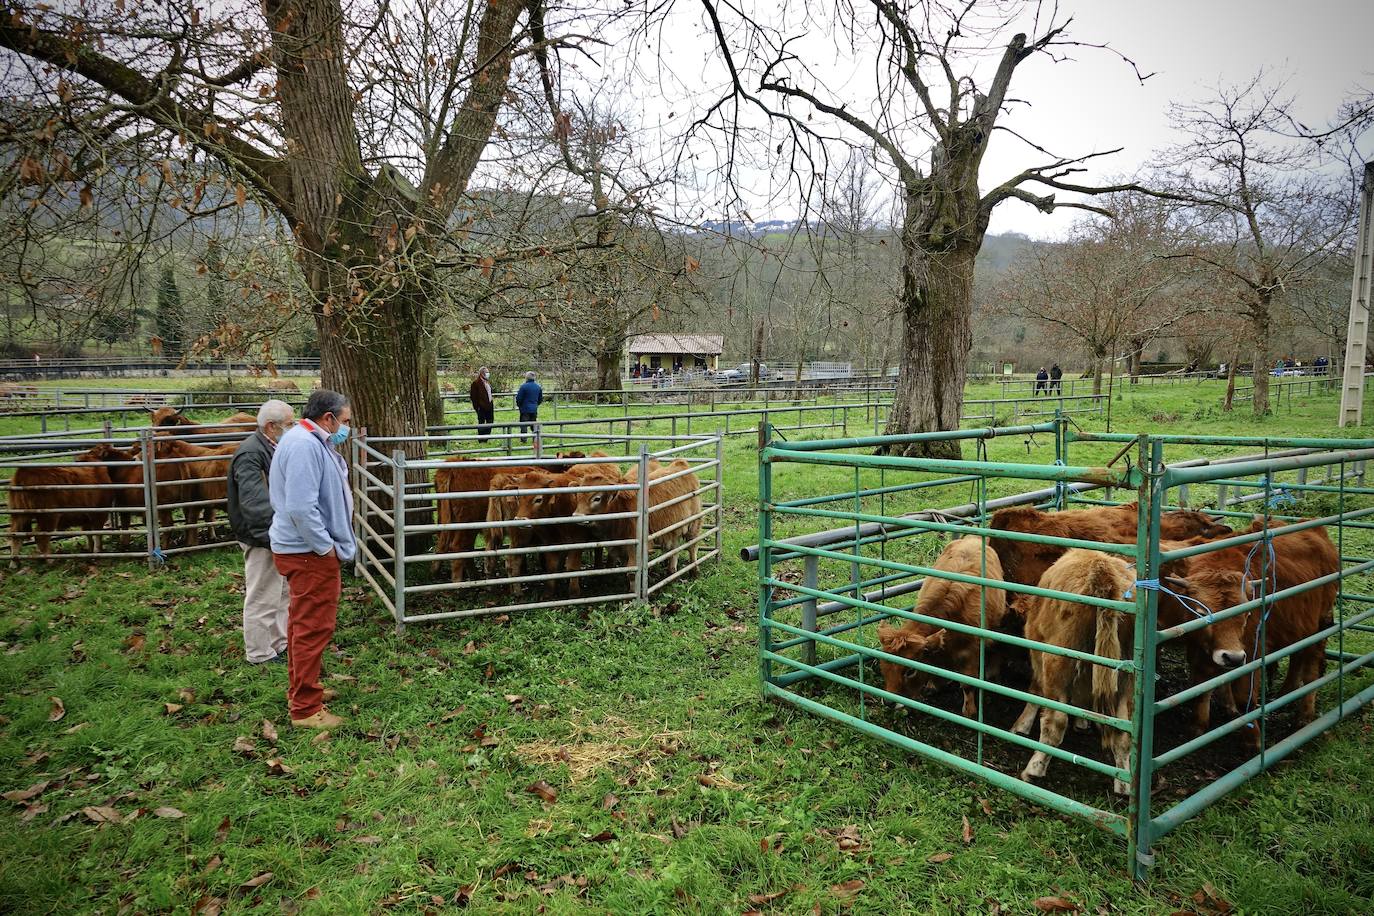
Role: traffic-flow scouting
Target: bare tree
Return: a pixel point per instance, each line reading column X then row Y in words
column 1106, row 289
column 1277, row 200
column 356, row 125
column 933, row 109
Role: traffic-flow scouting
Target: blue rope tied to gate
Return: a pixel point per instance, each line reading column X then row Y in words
column 1060, row 488
column 1273, row 577
column 1191, row 604
column 159, row 556
column 1282, row 497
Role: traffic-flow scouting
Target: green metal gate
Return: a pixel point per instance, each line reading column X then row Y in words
column 817, row 625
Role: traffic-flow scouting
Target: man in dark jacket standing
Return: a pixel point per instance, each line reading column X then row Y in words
column 265, row 595
column 479, row 392
column 527, row 400
column 1042, row 381
column 1056, row 379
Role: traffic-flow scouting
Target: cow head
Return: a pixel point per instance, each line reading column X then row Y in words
column 1223, row 640
column 918, row 643
column 535, row 505
column 589, row 504
column 1183, row 524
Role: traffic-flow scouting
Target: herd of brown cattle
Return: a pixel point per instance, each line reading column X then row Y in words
column 1214, row 581
column 102, row 489
column 554, row 529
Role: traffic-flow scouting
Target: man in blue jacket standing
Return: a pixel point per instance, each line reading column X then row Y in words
column 312, row 537
column 528, row 399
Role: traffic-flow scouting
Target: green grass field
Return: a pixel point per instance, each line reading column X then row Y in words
column 615, row 760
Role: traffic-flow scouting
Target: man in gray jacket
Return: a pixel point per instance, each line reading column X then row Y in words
column 312, row 537
column 250, row 516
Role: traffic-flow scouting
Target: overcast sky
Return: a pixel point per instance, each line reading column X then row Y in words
column 1322, row 49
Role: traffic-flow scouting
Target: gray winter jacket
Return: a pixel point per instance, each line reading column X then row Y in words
column 250, row 505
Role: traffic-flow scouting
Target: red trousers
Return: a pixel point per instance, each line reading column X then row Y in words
column 314, row 584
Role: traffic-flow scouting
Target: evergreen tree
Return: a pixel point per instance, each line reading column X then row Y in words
column 170, row 317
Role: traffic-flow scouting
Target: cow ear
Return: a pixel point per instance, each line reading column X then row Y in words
column 936, row 641
column 1254, row 588
column 1178, row 584
column 887, row 638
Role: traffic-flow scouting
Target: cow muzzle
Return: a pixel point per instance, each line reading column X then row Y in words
column 1228, row 658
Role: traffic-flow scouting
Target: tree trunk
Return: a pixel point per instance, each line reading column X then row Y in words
column 1137, row 354
column 607, row 372
column 756, row 354
column 937, row 307
column 1260, row 328
column 1098, row 359
column 1231, row 381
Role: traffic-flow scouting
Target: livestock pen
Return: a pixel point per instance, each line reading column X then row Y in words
column 403, row 548
column 818, row 625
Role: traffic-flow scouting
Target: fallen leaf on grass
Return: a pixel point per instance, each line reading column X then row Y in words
column 275, row 767
column 848, row 838
column 172, row 709
column 1055, row 905
column 940, row 857
column 168, row 812
column 186, row 695
column 245, row 746
column 269, row 731
column 679, row 831
column 222, row 831
column 135, row 642
column 23, row 795
column 253, row 884
column 607, row 803
column 545, row 791
column 848, row 889
column 320, row 738
column 58, row 709
column 987, row 806
column 76, row 728
column 207, row 906
column 214, row 863
column 968, row 831
column 102, row 814
column 760, row 899
column 32, row 811
column 604, row 836
column 369, row 840
column 463, row 896
column 514, row 699
column 453, row 714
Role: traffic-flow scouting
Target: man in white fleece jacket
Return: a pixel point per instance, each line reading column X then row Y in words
column 311, row 537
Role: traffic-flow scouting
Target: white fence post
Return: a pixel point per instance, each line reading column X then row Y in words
column 398, row 532
column 147, row 440
column 642, row 527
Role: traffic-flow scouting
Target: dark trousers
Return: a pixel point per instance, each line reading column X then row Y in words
column 485, row 417
column 1039, row 387
column 314, row 585
column 527, row 419
column 1056, row 385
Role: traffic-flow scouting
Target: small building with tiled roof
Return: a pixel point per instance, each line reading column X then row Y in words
column 664, row 351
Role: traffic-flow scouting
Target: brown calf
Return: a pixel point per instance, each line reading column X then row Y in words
column 948, row 600
column 203, row 481
column 82, row 509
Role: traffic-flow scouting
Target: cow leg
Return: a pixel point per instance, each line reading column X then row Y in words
column 1304, row 668
column 573, row 564
column 47, row 524
column 1201, row 669
column 19, row 526
column 1056, row 677
column 1026, row 721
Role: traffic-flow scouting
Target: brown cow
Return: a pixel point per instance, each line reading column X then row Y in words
column 668, row 524
column 165, row 418
column 1109, row 634
column 948, row 600
column 203, row 481
column 131, row 496
column 1024, row 562
column 1299, row 557
column 85, row 509
column 469, row 475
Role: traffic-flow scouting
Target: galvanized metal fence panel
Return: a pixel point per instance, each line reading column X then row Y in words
column 818, row 624
column 395, row 499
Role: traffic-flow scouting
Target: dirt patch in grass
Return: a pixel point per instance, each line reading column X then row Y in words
column 596, row 746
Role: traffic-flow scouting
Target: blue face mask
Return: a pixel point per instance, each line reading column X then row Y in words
column 338, row 436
